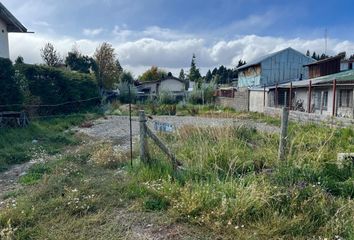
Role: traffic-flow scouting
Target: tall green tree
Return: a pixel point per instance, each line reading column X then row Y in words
column 182, row 75
column 51, row 56
column 194, row 74
column 107, row 71
column 208, row 76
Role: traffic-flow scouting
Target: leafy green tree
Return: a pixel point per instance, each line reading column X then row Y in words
column 50, row 56
column 78, row 62
column 194, row 74
column 107, row 70
column 19, row 60
column 126, row 77
column 153, row 74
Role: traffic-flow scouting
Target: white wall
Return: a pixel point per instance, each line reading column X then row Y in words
column 4, row 41
column 171, row 85
column 256, row 103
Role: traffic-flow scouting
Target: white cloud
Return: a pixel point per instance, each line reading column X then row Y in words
column 173, row 54
column 92, row 32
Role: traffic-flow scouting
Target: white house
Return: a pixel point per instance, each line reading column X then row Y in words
column 8, row 24
column 168, row 84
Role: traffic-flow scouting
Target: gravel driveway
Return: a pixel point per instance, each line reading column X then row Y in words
column 116, row 128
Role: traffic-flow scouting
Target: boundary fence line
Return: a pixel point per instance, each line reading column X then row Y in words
column 50, row 105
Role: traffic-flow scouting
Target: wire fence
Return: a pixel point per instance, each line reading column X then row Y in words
column 12, row 112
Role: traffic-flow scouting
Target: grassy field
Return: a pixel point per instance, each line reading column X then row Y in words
column 232, row 187
column 19, row 145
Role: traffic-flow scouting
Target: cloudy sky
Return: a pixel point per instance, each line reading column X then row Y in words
column 166, row 33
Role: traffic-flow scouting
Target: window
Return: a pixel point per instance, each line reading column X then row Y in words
column 346, row 98
column 321, row 100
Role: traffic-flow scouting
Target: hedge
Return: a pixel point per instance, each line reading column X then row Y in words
column 41, row 85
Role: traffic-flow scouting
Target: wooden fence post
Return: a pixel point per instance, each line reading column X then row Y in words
column 283, row 134
column 144, row 154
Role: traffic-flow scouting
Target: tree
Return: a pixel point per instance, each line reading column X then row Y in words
column 126, row 77
column 182, row 76
column 240, row 63
column 308, row 53
column 107, row 70
column 119, row 67
column 351, row 57
column 208, row 76
column 19, row 60
column 78, row 62
column 50, row 56
column 323, row 56
column 153, row 74
column 10, row 90
column 194, row 74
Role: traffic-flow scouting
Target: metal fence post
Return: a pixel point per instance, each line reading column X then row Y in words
column 283, row 133
column 144, row 155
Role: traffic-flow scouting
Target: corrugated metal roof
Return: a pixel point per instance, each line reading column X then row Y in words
column 341, row 77
column 261, row 59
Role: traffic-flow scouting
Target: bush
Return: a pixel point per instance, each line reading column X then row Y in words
column 51, row 86
column 124, row 92
column 204, row 95
column 10, row 89
column 104, row 155
column 167, row 98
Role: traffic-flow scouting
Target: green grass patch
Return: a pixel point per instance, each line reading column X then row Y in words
column 18, row 145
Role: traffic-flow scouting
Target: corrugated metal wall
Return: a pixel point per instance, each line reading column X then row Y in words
column 284, row 67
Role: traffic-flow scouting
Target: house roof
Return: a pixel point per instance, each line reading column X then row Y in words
column 324, row 60
column 164, row 79
column 13, row 25
column 262, row 58
column 341, row 77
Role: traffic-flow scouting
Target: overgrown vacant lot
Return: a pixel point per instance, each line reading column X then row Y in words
column 19, row 145
column 231, row 187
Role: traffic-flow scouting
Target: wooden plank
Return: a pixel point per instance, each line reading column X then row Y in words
column 164, row 148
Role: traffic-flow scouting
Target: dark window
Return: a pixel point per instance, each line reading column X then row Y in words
column 345, row 98
column 321, row 100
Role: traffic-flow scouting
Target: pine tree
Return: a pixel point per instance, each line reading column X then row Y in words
column 182, row 76
column 194, row 74
column 308, row 53
column 208, row 76
column 240, row 63
column 314, row 56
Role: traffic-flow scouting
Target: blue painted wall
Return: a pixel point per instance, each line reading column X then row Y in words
column 285, row 66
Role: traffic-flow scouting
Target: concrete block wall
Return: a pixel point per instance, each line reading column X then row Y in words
column 239, row 102
column 304, row 117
